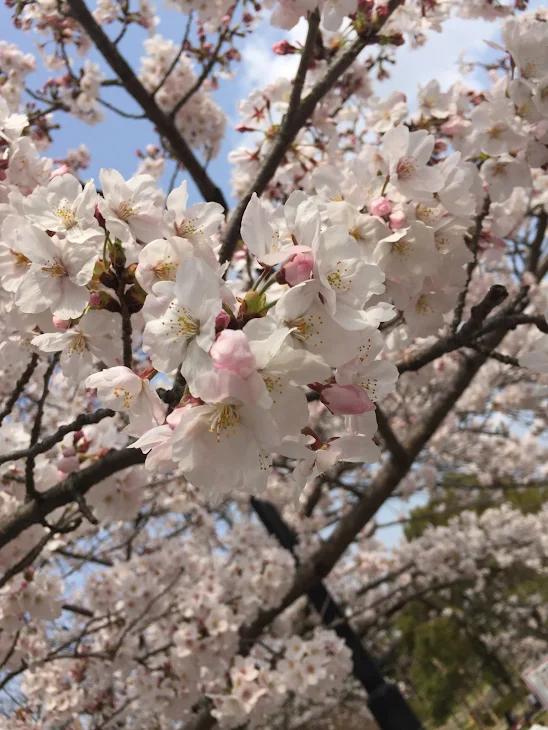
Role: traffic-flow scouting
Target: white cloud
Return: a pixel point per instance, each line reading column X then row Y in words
column 438, row 58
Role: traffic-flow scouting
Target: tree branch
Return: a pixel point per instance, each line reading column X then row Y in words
column 135, row 88
column 474, row 245
column 19, row 387
column 84, row 419
column 177, row 57
column 36, row 510
column 297, row 115
column 201, row 78
column 494, row 297
column 37, row 427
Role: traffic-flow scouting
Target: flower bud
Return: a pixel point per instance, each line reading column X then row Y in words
column 380, row 207
column 60, row 324
column 231, row 351
column 254, row 302
column 283, row 48
column 222, row 321
column 94, row 299
column 298, row 269
column 397, row 220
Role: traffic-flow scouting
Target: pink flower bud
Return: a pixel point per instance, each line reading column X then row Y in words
column 231, row 351
column 380, row 207
column 94, row 299
column 69, row 451
column 298, row 269
column 397, row 220
column 68, row 465
column 60, row 324
column 283, row 48
column 222, row 321
column 346, row 400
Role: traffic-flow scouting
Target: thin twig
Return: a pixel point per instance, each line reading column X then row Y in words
column 126, row 115
column 297, row 118
column 135, row 88
column 474, row 247
column 202, row 77
column 177, row 57
column 37, row 427
column 48, row 443
column 19, row 387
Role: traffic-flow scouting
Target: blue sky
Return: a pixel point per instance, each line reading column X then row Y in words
column 113, row 143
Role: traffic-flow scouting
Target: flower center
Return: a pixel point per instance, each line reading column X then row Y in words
column 78, row 344
column 422, row 306
column 405, row 168
column 499, row 169
column 401, row 248
column 301, row 328
column 181, row 323
column 125, row 210
column 496, row 131
column 223, row 420
column 338, row 278
column 67, row 216
column 125, row 395
column 55, row 269
column 186, row 227
column 166, row 270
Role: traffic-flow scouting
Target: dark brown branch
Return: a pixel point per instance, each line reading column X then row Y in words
column 135, row 88
column 494, row 297
column 26, row 560
column 78, row 609
column 84, row 558
column 494, row 355
column 383, row 579
column 37, row 427
column 536, row 246
column 19, row 387
column 474, row 246
column 389, row 437
column 83, row 419
column 36, row 510
column 127, row 329
column 297, row 118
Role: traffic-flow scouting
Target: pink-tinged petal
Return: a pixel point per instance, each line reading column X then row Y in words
column 346, row 400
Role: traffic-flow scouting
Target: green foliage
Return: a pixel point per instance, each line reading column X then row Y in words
column 440, row 649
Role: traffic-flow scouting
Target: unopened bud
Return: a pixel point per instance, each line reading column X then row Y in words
column 94, row 299
column 380, row 207
column 254, row 302
column 283, row 48
column 222, row 321
column 60, row 324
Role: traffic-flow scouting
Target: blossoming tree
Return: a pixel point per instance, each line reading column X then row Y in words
column 368, row 321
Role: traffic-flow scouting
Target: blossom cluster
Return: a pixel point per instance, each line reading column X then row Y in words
column 377, row 240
